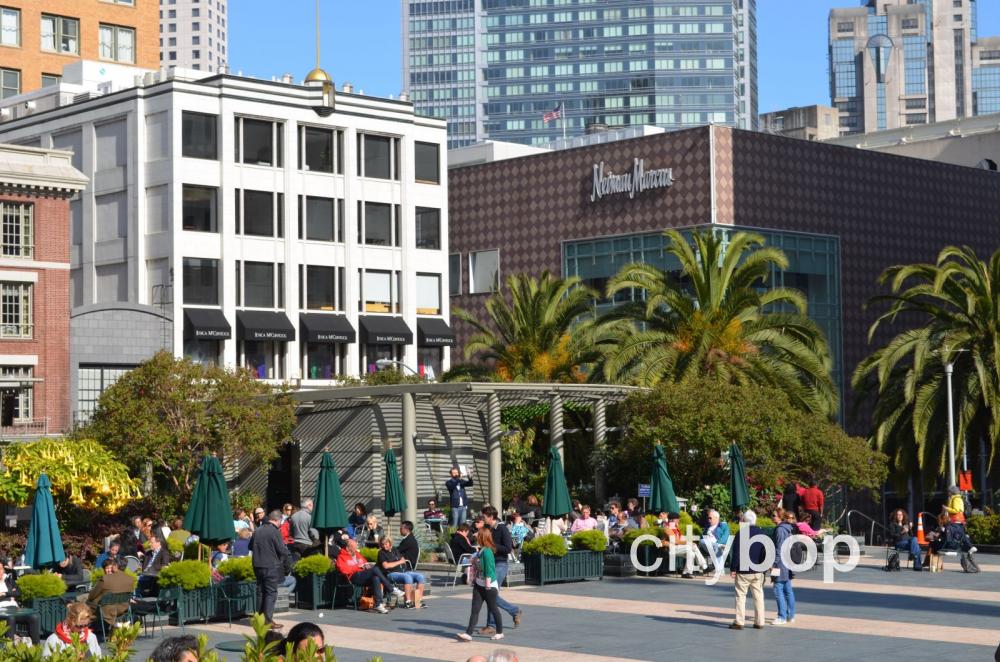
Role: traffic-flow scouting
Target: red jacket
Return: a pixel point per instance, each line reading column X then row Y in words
column 348, row 564
column 286, row 533
column 812, row 499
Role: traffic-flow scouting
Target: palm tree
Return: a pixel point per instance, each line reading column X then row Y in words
column 527, row 336
column 717, row 319
column 955, row 301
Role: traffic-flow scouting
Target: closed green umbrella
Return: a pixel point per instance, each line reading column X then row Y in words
column 329, row 512
column 739, row 493
column 44, row 546
column 662, row 497
column 556, row 502
column 210, row 516
column 395, row 499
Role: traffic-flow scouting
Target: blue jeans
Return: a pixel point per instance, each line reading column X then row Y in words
column 786, row 599
column 458, row 515
column 407, row 577
column 913, row 547
column 501, row 603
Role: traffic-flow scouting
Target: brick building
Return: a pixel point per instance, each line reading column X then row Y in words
column 39, row 37
column 35, row 190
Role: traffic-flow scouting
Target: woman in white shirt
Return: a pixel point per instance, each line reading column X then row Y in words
column 78, row 618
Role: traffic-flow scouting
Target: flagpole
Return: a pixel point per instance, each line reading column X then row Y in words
column 563, row 113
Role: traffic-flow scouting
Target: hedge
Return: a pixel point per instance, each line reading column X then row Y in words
column 189, row 575
column 42, row 585
column 551, row 544
column 316, row 564
column 238, row 568
column 592, row 540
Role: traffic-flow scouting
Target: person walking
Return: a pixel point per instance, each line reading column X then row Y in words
column 748, row 579
column 485, row 586
column 271, row 562
column 783, row 593
column 459, row 499
column 503, row 545
column 812, row 503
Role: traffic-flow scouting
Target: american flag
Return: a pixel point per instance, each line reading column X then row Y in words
column 553, row 114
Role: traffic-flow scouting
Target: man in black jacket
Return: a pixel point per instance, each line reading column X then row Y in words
column 271, row 563
column 504, row 545
column 459, row 499
column 133, row 538
column 746, row 571
column 408, row 545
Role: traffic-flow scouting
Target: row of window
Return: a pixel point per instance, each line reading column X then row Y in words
column 260, row 142
column 262, row 285
column 61, row 34
column 261, row 214
column 499, row 20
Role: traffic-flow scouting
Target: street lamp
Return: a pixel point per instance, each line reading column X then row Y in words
column 949, row 368
column 385, row 363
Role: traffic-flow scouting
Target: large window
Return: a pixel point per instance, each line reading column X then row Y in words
column 60, row 34
column 265, row 358
column 427, row 166
column 324, row 360
column 484, row 271
column 455, row 274
column 200, row 212
column 258, row 285
column 199, row 135
column 201, row 281
column 321, row 287
column 262, row 213
column 117, row 43
column 15, row 310
column 428, row 228
column 321, row 219
column 428, row 294
column 10, row 83
column 91, row 382
column 258, row 142
column 10, row 27
column 378, row 225
column 379, row 291
column 321, row 150
column 378, row 156
column 18, row 229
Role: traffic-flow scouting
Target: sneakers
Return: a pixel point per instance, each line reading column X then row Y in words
column 778, row 621
column 791, row 620
column 972, row 550
column 408, row 605
column 397, row 592
column 497, row 637
column 487, row 630
column 735, row 626
column 461, row 636
column 381, row 609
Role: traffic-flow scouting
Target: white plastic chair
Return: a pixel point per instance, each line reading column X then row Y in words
column 463, row 563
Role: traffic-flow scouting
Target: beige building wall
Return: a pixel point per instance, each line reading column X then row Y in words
column 807, row 122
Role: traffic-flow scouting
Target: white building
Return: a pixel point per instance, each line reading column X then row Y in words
column 266, row 224
column 194, row 34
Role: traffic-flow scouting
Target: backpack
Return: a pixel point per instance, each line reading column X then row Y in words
column 797, row 552
column 892, row 562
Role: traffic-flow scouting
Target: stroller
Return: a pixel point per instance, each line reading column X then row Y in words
column 957, row 543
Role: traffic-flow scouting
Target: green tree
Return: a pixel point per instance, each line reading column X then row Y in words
column 779, row 441
column 527, row 336
column 172, row 412
column 717, row 319
column 951, row 313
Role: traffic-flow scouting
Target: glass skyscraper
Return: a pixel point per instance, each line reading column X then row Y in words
column 494, row 68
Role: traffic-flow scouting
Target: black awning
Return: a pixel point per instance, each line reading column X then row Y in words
column 385, row 330
column 206, row 324
column 263, row 325
column 434, row 332
column 317, row 327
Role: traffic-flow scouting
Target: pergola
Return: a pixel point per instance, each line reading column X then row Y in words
column 491, row 396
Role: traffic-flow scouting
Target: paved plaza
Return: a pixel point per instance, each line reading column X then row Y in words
column 866, row 614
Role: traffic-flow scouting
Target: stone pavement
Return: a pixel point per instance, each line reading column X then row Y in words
column 865, row 614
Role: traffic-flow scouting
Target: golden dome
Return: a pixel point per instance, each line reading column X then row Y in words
column 317, row 75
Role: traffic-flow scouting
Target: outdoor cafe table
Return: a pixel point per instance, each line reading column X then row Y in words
column 231, row 646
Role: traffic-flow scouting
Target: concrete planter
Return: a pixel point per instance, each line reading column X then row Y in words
column 575, row 566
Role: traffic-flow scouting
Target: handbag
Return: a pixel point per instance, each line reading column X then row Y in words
column 366, row 601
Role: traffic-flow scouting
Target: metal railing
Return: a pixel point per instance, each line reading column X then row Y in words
column 871, row 534
column 35, row 427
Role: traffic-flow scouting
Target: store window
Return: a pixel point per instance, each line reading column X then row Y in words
column 199, row 135
column 428, row 294
column 265, row 358
column 200, row 208
column 324, row 360
column 484, row 271
column 428, row 228
column 258, row 142
column 427, row 162
column 430, row 361
column 201, row 281
column 203, row 352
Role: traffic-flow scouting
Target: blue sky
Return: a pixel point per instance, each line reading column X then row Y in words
column 361, row 44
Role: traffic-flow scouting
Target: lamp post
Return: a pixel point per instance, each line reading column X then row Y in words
column 949, row 368
column 384, row 363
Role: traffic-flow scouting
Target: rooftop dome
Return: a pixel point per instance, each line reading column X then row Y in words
column 317, row 75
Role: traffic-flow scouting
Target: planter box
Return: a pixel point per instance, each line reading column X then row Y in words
column 575, row 566
column 314, row 591
column 515, row 576
column 196, row 605
column 618, row 565
column 51, row 612
column 245, row 595
column 646, row 555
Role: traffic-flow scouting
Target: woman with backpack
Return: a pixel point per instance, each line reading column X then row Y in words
column 781, row 574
